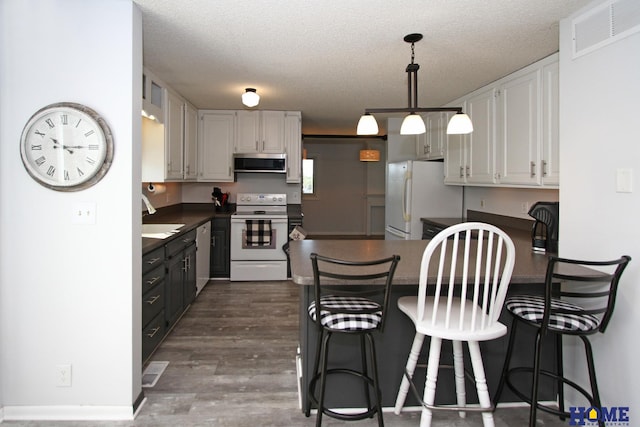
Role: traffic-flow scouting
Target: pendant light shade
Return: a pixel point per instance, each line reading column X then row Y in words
column 367, row 125
column 412, row 125
column 369, row 155
column 459, row 124
column 250, row 98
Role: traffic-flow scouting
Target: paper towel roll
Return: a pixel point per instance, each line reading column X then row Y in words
column 156, row 188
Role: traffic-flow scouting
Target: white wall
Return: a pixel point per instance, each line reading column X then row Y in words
column 69, row 293
column 599, row 95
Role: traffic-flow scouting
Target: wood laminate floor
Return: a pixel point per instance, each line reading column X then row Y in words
column 232, row 363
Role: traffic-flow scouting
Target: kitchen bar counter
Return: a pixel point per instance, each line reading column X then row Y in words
column 529, row 267
column 394, row 343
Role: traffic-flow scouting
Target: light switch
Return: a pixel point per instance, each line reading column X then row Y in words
column 84, row 213
column 624, row 180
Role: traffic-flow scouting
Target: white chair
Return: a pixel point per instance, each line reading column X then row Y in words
column 473, row 263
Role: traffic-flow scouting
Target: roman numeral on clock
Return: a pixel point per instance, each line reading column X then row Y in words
column 40, row 160
column 51, row 171
column 90, row 160
column 80, row 173
column 50, row 123
column 64, row 119
column 66, row 175
column 39, row 133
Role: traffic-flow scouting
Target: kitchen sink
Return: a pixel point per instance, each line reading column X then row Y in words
column 160, row 231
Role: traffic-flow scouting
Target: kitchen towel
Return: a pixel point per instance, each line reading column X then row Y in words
column 258, row 232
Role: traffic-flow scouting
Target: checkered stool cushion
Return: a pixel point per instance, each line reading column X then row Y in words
column 344, row 320
column 531, row 308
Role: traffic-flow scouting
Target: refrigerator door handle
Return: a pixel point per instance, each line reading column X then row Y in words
column 406, row 215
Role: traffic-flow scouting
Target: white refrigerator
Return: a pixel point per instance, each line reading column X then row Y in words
column 414, row 190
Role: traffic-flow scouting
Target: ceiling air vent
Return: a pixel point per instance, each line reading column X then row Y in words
column 605, row 24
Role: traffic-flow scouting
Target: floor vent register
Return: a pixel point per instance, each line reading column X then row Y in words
column 152, row 373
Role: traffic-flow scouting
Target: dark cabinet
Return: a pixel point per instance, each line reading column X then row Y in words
column 153, row 295
column 180, row 280
column 221, row 247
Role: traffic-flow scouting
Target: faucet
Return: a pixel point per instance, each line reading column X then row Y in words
column 147, row 203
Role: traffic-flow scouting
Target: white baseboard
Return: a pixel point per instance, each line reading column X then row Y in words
column 68, row 413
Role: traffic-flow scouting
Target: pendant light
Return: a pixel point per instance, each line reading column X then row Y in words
column 369, row 155
column 250, row 98
column 413, row 124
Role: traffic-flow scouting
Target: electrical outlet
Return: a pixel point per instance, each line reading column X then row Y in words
column 63, row 375
column 524, row 207
column 482, row 203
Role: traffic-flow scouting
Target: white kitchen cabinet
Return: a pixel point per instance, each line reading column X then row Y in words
column 430, row 145
column 152, row 96
column 550, row 164
column 455, row 153
column 469, row 159
column 480, row 166
column 169, row 145
column 260, row 132
column 518, row 141
column 216, row 139
column 515, row 139
column 190, row 142
column 293, row 146
column 173, row 129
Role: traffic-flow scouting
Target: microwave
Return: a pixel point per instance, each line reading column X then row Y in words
column 260, row 162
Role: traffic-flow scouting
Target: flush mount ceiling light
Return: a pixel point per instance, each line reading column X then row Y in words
column 250, row 98
column 413, row 123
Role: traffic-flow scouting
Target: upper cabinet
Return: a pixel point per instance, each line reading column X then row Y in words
column 260, row 131
column 152, row 96
column 215, row 142
column 293, row 145
column 169, row 145
column 431, row 144
column 515, row 137
column 550, row 164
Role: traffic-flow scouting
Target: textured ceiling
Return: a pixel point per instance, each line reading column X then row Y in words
column 331, row 59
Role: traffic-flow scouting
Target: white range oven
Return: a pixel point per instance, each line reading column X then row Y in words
column 259, row 230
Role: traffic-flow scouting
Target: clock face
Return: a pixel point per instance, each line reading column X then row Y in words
column 66, row 147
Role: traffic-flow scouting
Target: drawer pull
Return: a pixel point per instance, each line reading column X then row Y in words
column 155, row 331
column 153, row 280
column 153, row 299
column 153, row 261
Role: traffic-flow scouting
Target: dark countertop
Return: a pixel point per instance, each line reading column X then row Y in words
column 192, row 215
column 530, row 266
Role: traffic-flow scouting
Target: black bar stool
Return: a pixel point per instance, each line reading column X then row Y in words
column 352, row 310
column 563, row 312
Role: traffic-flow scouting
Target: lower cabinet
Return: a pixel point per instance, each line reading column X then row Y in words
column 180, row 281
column 168, row 287
column 153, row 296
column 221, row 247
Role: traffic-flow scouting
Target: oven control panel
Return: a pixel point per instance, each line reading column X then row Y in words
column 267, row 199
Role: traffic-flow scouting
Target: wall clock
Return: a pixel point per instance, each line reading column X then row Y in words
column 66, row 147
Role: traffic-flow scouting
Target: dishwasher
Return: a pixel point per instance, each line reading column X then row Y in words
column 203, row 245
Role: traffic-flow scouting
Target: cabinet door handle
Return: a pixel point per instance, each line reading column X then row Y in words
column 468, row 171
column 213, row 241
column 256, row 145
column 153, row 280
column 155, row 331
column 184, row 264
column 533, row 169
column 544, row 168
column 153, row 299
column 461, row 171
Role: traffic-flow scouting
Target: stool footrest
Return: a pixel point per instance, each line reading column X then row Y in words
column 338, row 415
column 416, row 393
column 549, row 374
